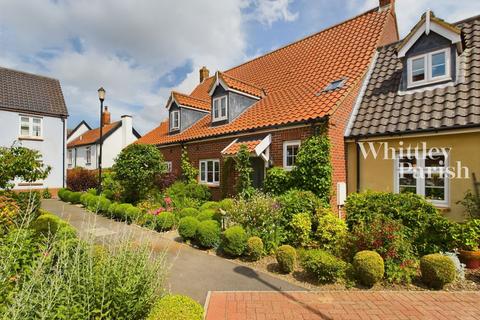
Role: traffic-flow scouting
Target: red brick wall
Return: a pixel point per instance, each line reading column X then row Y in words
column 212, row 150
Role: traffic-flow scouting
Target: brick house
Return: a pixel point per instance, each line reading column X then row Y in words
column 274, row 102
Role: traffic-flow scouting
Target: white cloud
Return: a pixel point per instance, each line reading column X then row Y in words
column 270, row 11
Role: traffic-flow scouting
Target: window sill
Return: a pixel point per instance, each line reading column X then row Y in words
column 30, row 138
column 211, row 185
column 413, row 86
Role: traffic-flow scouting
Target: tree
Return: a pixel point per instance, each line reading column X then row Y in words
column 21, row 163
column 189, row 172
column 313, row 167
column 136, row 168
column 244, row 168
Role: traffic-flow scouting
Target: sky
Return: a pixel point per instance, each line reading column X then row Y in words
column 140, row 50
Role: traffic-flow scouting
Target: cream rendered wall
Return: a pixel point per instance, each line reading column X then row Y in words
column 378, row 174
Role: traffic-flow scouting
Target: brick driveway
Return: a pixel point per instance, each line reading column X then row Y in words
column 343, row 305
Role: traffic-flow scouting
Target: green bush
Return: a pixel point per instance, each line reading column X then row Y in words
column 61, row 193
column 131, row 214
column 277, row 181
column 331, row 233
column 301, row 226
column 189, row 212
column 46, row 194
column 75, row 197
column 176, row 307
column 208, row 234
column 369, row 267
column 49, row 225
column 428, row 230
column 187, row 227
column 234, row 241
column 112, row 208
column 324, row 266
column 103, row 204
column 207, row 214
column 182, row 193
column 28, row 201
column 286, row 258
column 94, row 204
column 66, row 195
column 226, row 204
column 254, row 248
column 165, row 221
column 85, row 198
column 298, row 201
column 437, row 270
column 210, row 205
column 467, row 235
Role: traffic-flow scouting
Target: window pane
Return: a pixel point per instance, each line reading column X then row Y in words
column 418, row 69
column 216, row 175
column 435, row 161
column 438, row 64
column 36, row 128
column 407, row 183
column 407, row 163
column 223, row 109
column 435, row 187
column 203, row 170
column 292, row 151
column 24, row 126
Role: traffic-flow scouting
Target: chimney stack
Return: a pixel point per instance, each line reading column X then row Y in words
column 127, row 129
column 204, row 73
column 385, row 3
column 105, row 116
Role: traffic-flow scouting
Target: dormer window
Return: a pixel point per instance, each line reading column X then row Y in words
column 219, row 109
column 429, row 68
column 175, row 120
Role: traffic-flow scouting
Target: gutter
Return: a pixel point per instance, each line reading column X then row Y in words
column 63, row 152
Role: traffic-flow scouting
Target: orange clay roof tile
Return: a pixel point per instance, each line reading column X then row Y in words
column 293, row 78
column 235, row 147
column 186, row 100
column 240, row 85
column 93, row 136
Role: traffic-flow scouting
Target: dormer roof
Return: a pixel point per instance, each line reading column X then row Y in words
column 187, row 101
column 429, row 23
column 230, row 83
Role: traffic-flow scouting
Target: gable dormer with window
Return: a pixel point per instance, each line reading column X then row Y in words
column 230, row 97
column 429, row 53
column 183, row 111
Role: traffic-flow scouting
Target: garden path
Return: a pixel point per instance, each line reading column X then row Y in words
column 192, row 272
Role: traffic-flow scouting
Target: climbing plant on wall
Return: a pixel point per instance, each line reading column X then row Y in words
column 189, row 172
column 243, row 166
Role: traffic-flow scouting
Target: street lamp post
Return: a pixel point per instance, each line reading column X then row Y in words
column 101, row 97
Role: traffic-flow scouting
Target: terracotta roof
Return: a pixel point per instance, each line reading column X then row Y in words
column 192, row 102
column 294, row 77
column 93, row 136
column 383, row 110
column 235, row 147
column 240, row 85
column 152, row 136
column 21, row 91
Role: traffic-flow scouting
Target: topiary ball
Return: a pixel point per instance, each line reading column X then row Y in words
column 187, row 227
column 207, row 214
column 226, row 204
column 103, row 204
column 254, row 248
column 210, row 205
column 165, row 221
column 286, row 258
column 67, row 195
column 112, row 209
column 85, row 198
column 437, row 270
column 189, row 212
column 208, row 234
column 176, row 307
column 131, row 213
column 234, row 241
column 369, row 267
column 75, row 197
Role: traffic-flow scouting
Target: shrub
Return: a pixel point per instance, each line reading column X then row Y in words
column 46, row 194
column 187, row 195
column 80, row 179
column 136, row 168
column 424, row 225
column 277, row 181
column 112, row 209
column 85, row 198
column 244, row 170
column 66, row 195
column 131, row 213
column 103, row 204
column 165, row 180
column 48, row 225
column 260, row 216
column 189, row 212
column 226, row 204
column 121, row 212
column 387, row 237
column 189, row 172
column 94, row 204
column 207, row 214
column 369, row 267
column 165, row 221
column 176, row 307
column 286, row 258
column 9, row 214
column 210, row 205
column 301, row 226
column 323, row 265
column 187, row 227
column 74, row 197
column 313, row 167
column 467, row 235
column 234, row 241
column 61, row 193
column 331, row 231
column 254, row 248
column 437, row 270
column 208, row 234
column 298, row 201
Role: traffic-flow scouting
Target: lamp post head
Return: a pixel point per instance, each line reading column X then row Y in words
column 101, row 94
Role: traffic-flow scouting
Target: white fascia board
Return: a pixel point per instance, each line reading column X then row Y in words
column 264, row 144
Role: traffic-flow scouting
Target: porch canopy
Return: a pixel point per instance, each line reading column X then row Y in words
column 258, row 146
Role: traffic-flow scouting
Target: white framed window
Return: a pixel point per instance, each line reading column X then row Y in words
column 220, row 108
column 290, row 151
column 70, row 157
column 426, row 175
column 31, row 127
column 429, row 68
column 210, row 171
column 175, row 120
column 88, row 155
column 169, row 166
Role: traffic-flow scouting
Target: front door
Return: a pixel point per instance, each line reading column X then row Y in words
column 258, row 166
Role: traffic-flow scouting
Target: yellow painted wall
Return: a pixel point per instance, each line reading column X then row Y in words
column 378, row 174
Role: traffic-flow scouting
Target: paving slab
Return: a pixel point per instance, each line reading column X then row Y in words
column 192, row 272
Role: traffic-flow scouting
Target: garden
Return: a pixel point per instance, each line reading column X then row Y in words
column 47, row 272
column 386, row 241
